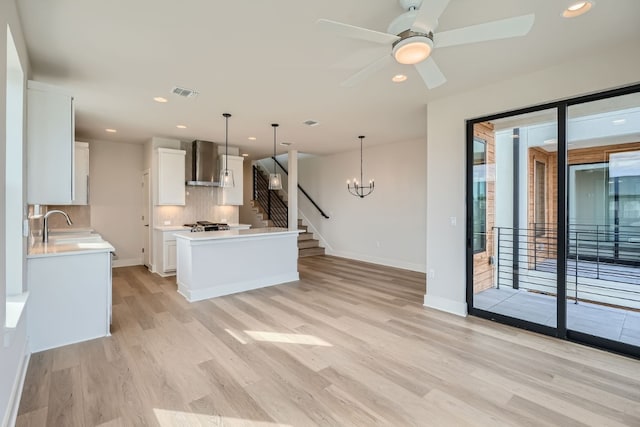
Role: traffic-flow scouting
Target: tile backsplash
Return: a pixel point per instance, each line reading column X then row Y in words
column 201, row 204
column 80, row 216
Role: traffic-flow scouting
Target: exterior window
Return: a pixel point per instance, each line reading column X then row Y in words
column 479, row 195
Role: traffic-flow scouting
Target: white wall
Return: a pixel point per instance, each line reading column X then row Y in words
column 115, row 171
column 387, row 227
column 446, row 152
column 13, row 348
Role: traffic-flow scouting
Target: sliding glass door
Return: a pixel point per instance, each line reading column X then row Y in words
column 553, row 219
column 514, row 217
column 604, row 219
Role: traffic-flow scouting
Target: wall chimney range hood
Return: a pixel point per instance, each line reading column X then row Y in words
column 201, row 163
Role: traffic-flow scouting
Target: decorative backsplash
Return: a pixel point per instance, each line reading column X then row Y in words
column 80, row 216
column 201, row 204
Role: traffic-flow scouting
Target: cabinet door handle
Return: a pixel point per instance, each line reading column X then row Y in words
column 88, row 189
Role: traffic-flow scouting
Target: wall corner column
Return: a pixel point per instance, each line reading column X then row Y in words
column 292, row 189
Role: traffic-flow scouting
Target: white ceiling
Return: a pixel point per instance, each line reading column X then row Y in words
column 266, row 61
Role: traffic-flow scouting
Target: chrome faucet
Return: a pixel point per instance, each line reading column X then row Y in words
column 45, row 225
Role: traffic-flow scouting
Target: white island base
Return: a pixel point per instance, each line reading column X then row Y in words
column 215, row 263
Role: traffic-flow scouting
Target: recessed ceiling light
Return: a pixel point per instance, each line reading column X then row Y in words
column 252, row 138
column 111, row 130
column 550, row 141
column 245, row 154
column 286, row 143
column 578, row 8
column 399, row 78
column 181, row 126
column 619, row 122
column 160, row 99
column 311, row 122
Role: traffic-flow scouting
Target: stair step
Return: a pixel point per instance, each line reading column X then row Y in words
column 310, row 243
column 310, row 252
column 303, row 227
column 305, row 236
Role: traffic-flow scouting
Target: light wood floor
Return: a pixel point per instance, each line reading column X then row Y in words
column 349, row 344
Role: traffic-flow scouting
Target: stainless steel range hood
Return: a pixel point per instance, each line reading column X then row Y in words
column 201, row 165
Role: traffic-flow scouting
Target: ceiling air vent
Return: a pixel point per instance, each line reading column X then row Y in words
column 183, row 92
column 311, row 122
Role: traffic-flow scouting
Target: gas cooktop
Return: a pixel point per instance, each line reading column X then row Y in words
column 207, row 226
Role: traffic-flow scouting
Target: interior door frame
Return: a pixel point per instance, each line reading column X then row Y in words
column 146, row 218
column 560, row 330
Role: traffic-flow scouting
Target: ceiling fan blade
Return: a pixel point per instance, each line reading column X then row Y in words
column 494, row 30
column 430, row 73
column 367, row 71
column 354, row 32
column 427, row 18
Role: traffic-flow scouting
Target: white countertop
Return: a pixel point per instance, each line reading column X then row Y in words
column 68, row 243
column 41, row 249
column 234, row 234
column 171, row 227
column 182, row 227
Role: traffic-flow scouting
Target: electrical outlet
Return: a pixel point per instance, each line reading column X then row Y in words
column 432, row 274
column 453, row 220
column 378, row 244
column 167, row 223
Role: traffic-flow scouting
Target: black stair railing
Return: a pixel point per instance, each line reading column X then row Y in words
column 302, row 190
column 276, row 209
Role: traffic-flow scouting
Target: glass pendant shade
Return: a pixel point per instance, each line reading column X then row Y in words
column 275, row 181
column 226, row 178
column 226, row 174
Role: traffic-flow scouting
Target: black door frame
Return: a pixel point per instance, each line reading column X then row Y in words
column 560, row 330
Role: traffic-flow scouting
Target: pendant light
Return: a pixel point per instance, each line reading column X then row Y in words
column 275, row 181
column 226, row 174
column 360, row 190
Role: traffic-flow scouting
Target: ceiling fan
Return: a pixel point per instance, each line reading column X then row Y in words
column 412, row 39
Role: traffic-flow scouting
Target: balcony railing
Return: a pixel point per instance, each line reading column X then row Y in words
column 603, row 262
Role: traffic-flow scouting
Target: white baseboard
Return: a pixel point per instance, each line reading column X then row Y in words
column 172, row 273
column 420, row 268
column 218, row 291
column 446, row 305
column 129, row 262
column 16, row 392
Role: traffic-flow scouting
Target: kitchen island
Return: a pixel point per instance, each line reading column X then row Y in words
column 216, row 263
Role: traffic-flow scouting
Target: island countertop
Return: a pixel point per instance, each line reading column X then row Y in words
column 233, row 234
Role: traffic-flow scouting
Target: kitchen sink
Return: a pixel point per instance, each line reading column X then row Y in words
column 68, row 238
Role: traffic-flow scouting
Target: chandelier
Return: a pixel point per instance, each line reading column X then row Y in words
column 359, row 189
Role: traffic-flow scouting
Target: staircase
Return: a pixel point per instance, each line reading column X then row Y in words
column 307, row 245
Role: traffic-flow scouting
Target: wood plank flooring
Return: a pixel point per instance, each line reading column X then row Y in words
column 350, row 344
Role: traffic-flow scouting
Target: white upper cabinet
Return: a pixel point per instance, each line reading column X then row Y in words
column 50, row 145
column 232, row 196
column 171, row 178
column 81, row 173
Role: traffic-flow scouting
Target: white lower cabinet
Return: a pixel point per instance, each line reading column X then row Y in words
column 69, row 298
column 170, row 256
column 166, row 255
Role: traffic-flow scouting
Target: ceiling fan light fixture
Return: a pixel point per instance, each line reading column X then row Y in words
column 413, row 49
column 577, row 8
